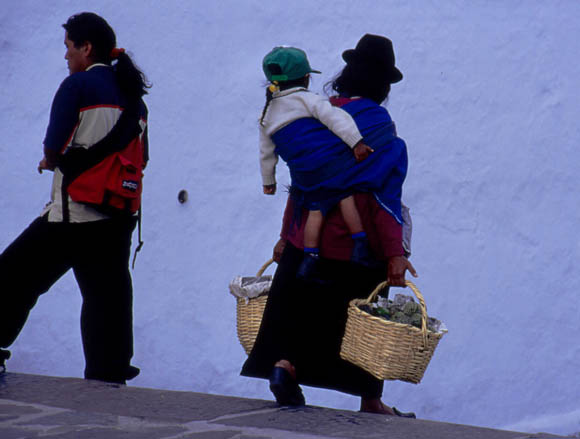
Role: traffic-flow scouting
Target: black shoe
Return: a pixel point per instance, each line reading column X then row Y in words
column 361, row 253
column 285, row 388
column 132, row 372
column 309, row 269
column 404, row 415
column 4, row 355
column 117, row 378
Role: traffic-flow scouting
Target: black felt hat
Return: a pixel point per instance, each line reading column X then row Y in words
column 376, row 53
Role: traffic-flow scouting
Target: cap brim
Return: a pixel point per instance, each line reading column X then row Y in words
column 315, row 71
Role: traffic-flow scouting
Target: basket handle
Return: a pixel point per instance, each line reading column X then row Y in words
column 419, row 296
column 263, row 268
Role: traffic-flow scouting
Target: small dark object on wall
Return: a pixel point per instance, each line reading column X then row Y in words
column 182, row 196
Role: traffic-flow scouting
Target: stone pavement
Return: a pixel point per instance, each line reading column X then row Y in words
column 33, row 406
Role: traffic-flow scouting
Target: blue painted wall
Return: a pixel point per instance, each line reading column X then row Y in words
column 489, row 109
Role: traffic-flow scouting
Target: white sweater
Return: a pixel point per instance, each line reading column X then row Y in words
column 292, row 104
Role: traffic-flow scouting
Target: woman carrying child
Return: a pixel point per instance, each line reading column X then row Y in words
column 288, row 100
column 303, row 323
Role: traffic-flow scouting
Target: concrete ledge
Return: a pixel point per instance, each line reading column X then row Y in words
column 37, row 406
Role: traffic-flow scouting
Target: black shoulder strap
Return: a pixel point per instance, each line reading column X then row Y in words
column 140, row 243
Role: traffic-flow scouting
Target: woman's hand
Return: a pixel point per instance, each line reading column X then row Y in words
column 270, row 189
column 362, row 151
column 278, row 250
column 396, row 270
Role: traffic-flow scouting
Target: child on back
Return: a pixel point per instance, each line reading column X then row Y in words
column 287, row 100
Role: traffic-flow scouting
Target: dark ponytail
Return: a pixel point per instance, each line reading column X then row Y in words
column 89, row 27
column 131, row 80
column 281, row 85
column 269, row 94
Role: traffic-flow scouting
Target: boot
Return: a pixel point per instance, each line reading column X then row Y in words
column 309, row 269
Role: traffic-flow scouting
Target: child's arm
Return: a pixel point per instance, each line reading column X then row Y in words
column 340, row 123
column 268, row 161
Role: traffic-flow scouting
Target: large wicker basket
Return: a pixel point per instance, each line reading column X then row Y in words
column 385, row 349
column 249, row 315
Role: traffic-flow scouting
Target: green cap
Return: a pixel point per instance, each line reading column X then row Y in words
column 286, row 64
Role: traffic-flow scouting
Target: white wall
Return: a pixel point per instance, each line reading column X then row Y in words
column 489, row 110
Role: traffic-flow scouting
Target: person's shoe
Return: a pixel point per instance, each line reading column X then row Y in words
column 403, row 414
column 377, row 406
column 309, row 269
column 361, row 253
column 132, row 372
column 4, row 355
column 117, row 378
column 285, row 388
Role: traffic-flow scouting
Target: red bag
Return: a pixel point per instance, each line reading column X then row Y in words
column 114, row 183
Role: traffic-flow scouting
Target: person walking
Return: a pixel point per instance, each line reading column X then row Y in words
column 94, row 242
column 287, row 101
column 303, row 323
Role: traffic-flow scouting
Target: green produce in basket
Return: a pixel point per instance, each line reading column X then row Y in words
column 401, row 317
column 411, row 308
column 383, row 312
column 403, row 310
column 416, row 320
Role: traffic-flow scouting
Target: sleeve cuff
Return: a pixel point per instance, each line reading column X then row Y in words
column 353, row 140
column 393, row 248
column 267, row 180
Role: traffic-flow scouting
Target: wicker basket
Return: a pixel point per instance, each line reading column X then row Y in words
column 385, row 349
column 249, row 315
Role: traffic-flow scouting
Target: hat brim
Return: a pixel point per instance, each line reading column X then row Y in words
column 351, row 56
column 283, row 78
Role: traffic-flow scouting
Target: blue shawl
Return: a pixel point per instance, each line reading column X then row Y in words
column 323, row 168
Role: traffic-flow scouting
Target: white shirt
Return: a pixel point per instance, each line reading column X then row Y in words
column 292, row 104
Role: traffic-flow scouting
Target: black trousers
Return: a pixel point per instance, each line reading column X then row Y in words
column 304, row 323
column 98, row 253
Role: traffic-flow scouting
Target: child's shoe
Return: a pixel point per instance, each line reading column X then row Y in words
column 361, row 253
column 309, row 269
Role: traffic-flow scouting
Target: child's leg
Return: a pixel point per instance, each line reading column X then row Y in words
column 312, row 229
column 361, row 253
column 350, row 215
column 308, row 269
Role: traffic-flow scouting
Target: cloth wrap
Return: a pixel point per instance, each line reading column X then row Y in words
column 323, row 168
